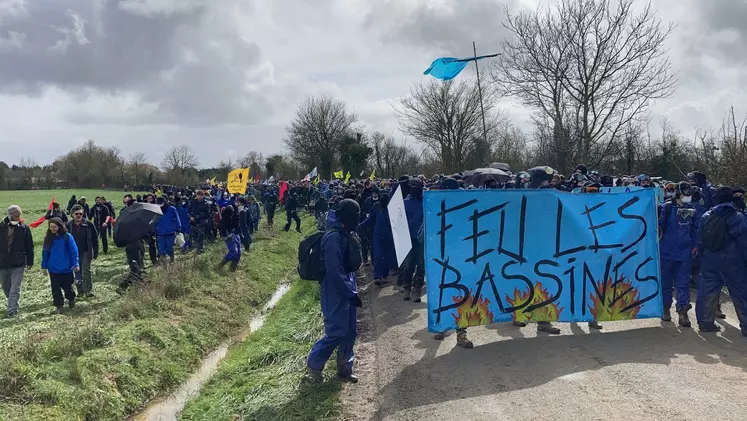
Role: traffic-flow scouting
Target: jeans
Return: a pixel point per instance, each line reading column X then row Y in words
column 104, row 239
column 11, row 279
column 86, row 285
column 62, row 283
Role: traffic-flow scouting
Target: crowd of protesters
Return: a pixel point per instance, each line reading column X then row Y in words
column 702, row 231
column 191, row 218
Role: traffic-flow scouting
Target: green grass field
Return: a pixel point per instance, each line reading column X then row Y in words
column 110, row 355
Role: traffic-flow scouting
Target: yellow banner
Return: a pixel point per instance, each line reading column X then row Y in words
column 347, row 177
column 338, row 174
column 237, row 180
column 373, row 175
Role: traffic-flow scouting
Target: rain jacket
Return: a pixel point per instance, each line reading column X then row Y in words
column 253, row 209
column 733, row 258
column 169, row 222
column 414, row 212
column 338, row 287
column 679, row 233
column 61, row 256
column 183, row 218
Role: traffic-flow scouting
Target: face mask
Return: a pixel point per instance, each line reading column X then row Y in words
column 686, row 199
column 241, row 208
column 14, row 222
column 209, row 202
column 668, row 195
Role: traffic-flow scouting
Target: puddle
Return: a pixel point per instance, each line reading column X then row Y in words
column 168, row 408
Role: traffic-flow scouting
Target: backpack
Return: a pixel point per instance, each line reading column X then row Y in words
column 310, row 262
column 715, row 234
column 310, row 259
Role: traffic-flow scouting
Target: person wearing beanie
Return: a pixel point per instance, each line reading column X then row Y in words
column 16, row 252
column 581, row 169
column 339, row 294
column 722, row 243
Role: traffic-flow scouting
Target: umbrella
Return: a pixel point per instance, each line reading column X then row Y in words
column 501, row 166
column 134, row 222
column 481, row 175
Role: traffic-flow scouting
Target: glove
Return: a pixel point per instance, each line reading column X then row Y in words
column 356, row 301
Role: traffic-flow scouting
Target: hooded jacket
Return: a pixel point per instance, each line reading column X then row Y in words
column 414, row 212
column 734, row 255
column 21, row 250
column 679, row 233
column 338, row 287
column 61, row 256
column 169, row 223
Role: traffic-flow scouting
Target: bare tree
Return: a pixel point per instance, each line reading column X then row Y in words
column 392, row 159
column 179, row 158
column 446, row 118
column 137, row 164
column 316, row 131
column 589, row 66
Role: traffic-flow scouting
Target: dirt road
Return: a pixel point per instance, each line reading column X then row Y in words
column 642, row 370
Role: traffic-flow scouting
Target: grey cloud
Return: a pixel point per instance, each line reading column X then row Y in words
column 447, row 29
column 185, row 56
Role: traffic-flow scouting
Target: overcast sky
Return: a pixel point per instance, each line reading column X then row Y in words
column 225, row 76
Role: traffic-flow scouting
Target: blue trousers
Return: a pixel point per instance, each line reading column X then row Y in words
column 340, row 331
column 383, row 256
column 710, row 283
column 165, row 244
column 233, row 245
column 675, row 276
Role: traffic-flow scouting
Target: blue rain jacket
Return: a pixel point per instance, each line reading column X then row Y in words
column 62, row 255
column 679, row 230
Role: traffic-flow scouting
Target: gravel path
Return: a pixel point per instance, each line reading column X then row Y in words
column 643, row 370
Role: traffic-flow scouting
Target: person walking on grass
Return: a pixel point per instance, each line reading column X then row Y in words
column 87, row 240
column 60, row 260
column 99, row 216
column 339, row 294
column 16, row 252
column 166, row 228
column 291, row 212
column 254, row 213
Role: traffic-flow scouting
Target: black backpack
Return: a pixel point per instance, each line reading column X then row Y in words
column 311, row 261
column 715, row 234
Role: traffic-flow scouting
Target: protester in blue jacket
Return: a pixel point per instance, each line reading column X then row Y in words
column 723, row 245
column 678, row 230
column 60, row 260
column 383, row 243
column 339, row 295
column 166, row 229
column 413, row 271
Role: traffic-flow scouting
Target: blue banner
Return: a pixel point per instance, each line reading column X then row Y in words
column 495, row 256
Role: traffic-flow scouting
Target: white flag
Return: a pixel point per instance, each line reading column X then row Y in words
column 400, row 229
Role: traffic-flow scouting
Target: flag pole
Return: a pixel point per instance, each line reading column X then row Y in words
column 482, row 108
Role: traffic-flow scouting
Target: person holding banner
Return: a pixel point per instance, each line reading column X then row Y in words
column 678, row 233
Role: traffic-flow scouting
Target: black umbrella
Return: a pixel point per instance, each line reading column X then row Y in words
column 134, row 222
column 501, row 166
